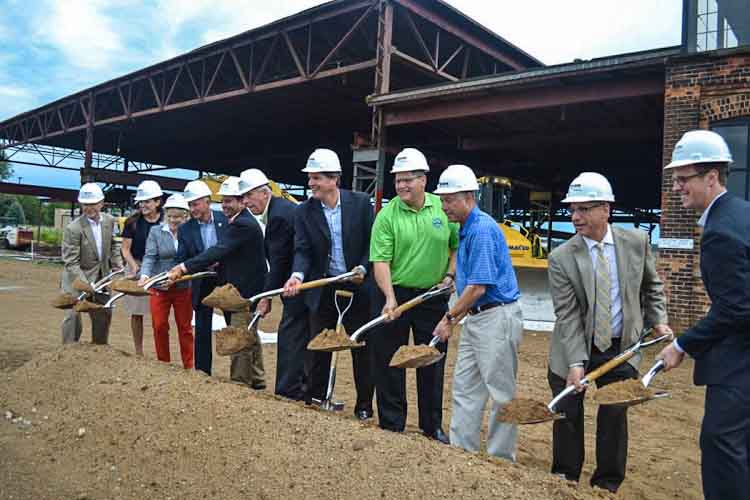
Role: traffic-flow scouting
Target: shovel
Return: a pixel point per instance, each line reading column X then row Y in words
column 356, row 275
column 525, row 411
column 328, row 403
column 419, row 299
column 85, row 289
column 617, row 394
column 159, row 278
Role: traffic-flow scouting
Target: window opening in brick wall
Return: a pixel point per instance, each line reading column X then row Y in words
column 737, row 134
column 715, row 24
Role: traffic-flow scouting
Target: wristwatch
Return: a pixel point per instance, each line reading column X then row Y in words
column 450, row 317
column 451, row 276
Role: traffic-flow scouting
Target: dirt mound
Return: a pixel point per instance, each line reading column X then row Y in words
column 230, row 340
column 227, row 298
column 332, row 340
column 524, row 411
column 413, row 356
column 91, row 422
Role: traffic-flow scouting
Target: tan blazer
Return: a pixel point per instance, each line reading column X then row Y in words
column 80, row 258
column 571, row 277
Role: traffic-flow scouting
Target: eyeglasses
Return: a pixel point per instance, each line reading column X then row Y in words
column 681, row 180
column 583, row 210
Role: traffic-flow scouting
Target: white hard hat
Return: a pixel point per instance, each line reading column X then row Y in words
column 323, row 160
column 700, row 146
column 457, row 179
column 589, row 186
column 409, row 160
column 232, row 186
column 148, row 190
column 195, row 190
column 90, row 193
column 252, row 179
column 176, row 201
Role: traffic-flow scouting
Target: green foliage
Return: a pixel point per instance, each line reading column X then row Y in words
column 6, row 172
column 15, row 211
column 49, row 236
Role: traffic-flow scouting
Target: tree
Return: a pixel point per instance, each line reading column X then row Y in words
column 15, row 212
column 6, row 171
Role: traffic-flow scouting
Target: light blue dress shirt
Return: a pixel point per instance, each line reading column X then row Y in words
column 208, row 232
column 336, row 262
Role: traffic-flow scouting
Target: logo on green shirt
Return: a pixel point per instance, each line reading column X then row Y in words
column 437, row 223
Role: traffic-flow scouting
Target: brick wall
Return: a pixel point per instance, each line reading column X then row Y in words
column 699, row 91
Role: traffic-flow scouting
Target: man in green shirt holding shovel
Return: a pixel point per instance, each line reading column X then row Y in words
column 412, row 248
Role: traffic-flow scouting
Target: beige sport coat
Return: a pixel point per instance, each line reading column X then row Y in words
column 571, row 277
column 80, row 258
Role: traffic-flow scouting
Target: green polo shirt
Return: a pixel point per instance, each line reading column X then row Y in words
column 417, row 243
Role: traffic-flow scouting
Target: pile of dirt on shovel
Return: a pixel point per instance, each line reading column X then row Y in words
column 522, row 410
column 128, row 287
column 91, row 422
column 64, row 301
column 332, row 340
column 227, row 298
column 619, row 392
column 413, row 356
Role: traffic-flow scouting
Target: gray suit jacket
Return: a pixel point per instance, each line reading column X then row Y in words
column 160, row 253
column 79, row 255
column 571, row 277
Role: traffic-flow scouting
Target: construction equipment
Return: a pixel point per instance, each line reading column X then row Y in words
column 214, row 184
column 526, row 411
column 15, row 237
column 527, row 251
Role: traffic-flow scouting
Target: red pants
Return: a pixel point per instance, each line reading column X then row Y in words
column 161, row 301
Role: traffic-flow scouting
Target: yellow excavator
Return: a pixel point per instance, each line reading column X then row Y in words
column 214, row 182
column 527, row 251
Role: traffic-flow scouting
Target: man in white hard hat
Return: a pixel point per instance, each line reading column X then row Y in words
column 412, row 249
column 276, row 215
column 605, row 290
column 205, row 229
column 148, row 199
column 720, row 342
column 242, row 258
column 332, row 236
column 488, row 295
column 89, row 252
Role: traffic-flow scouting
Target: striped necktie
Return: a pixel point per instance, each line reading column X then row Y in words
column 603, row 318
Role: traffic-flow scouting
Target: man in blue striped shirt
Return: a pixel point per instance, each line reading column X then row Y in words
column 487, row 290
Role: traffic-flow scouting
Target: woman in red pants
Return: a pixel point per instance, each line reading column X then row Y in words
column 161, row 248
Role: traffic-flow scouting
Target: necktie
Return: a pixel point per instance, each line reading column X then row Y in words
column 603, row 318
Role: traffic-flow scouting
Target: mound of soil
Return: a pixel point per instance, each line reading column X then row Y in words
column 128, row 287
column 86, row 306
column 82, row 286
column 413, row 356
column 64, row 301
column 227, row 298
column 524, row 411
column 332, row 340
column 623, row 391
column 91, row 422
column 230, row 340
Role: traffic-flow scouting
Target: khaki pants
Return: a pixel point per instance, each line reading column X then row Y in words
column 486, row 367
column 247, row 365
column 72, row 325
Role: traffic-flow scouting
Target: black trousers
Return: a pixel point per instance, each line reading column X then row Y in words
column 725, row 443
column 318, row 363
column 611, row 427
column 291, row 348
column 202, row 344
column 390, row 383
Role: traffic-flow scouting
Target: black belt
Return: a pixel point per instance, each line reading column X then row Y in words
column 486, row 307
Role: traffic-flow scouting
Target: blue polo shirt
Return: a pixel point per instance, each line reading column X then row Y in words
column 483, row 259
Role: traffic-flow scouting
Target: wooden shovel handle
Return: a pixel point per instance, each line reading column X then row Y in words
column 610, row 365
column 408, row 305
column 314, row 284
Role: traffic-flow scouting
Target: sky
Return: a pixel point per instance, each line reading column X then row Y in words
column 52, row 48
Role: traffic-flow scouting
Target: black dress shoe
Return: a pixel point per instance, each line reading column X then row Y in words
column 439, row 436
column 258, row 386
column 363, row 414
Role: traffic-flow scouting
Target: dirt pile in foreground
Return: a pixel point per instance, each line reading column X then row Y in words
column 92, row 422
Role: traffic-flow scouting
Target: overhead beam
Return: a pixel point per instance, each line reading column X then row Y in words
column 524, row 99
column 54, row 194
column 423, row 66
column 131, row 178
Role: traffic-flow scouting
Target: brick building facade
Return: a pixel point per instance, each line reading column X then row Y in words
column 701, row 90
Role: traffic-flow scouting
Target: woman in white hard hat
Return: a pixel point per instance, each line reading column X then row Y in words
column 161, row 249
column 134, row 234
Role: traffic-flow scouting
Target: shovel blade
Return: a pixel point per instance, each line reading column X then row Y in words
column 638, row 401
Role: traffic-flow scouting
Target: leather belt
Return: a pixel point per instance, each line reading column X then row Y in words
column 486, row 307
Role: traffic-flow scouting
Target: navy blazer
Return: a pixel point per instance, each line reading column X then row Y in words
column 720, row 342
column 190, row 244
column 312, row 239
column 241, row 254
column 279, row 241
